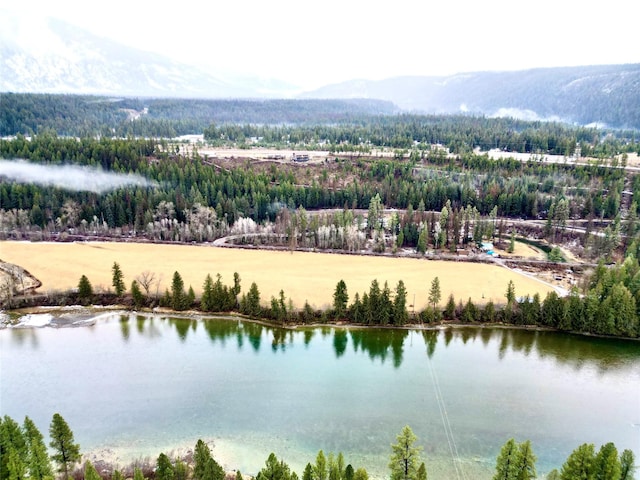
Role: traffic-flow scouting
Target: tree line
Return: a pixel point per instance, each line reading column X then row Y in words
column 25, row 455
column 300, row 123
column 610, row 306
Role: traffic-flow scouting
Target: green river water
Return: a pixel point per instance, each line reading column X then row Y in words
column 135, row 386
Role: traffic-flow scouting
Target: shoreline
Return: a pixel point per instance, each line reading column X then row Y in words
column 89, row 315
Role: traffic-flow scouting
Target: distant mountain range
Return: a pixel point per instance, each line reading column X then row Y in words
column 52, row 56
column 76, row 61
column 607, row 95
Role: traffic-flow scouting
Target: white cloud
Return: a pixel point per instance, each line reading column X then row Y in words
column 69, row 177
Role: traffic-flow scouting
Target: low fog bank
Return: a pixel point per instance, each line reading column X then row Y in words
column 69, row 177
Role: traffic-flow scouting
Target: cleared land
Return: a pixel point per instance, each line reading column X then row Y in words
column 302, row 276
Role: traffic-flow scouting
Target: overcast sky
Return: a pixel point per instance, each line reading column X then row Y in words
column 313, row 42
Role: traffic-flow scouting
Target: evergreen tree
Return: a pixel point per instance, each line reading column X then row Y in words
column 85, row 290
column 360, row 474
column 400, row 314
column 201, row 456
column 405, row 457
column 137, row 295
column 137, row 474
column 348, row 472
column 67, row 452
column 117, row 279
column 164, row 468
column 238, row 475
column 580, row 464
column 627, row 465
column 253, row 301
column 307, row 474
column 191, row 297
column 13, row 450
column 180, row 470
column 340, row 300
column 213, row 470
column 508, row 461
column 320, row 468
column 450, row 308
column 178, row 296
column 422, row 472
column 206, row 302
column 435, row 293
column 275, row 469
column 117, row 475
column 90, row 472
column 38, row 464
column 526, row 462
column 607, row 464
column 421, row 246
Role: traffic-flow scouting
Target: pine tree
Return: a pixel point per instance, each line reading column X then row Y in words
column 164, row 468
column 627, row 467
column 117, row 279
column 38, row 463
column 307, row 474
column 526, row 462
column 507, row 463
column 67, row 453
column 405, row 457
column 580, row 464
column 607, row 465
column 360, row 474
column 137, row 295
column 435, row 293
column 348, row 472
column 191, row 298
column 206, row 302
column 400, row 314
column 85, row 290
column 340, row 300
column 180, row 470
column 450, row 308
column 178, row 296
column 201, row 456
column 421, row 246
column 320, row 468
column 137, row 474
column 90, row 472
column 253, row 300
column 13, row 450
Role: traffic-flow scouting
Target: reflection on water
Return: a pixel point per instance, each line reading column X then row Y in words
column 382, row 344
column 385, row 344
column 351, row 389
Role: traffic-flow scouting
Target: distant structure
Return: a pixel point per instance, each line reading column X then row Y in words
column 301, row 157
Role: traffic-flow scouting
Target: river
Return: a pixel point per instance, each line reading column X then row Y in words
column 138, row 385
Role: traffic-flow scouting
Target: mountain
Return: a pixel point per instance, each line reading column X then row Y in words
column 45, row 55
column 608, row 94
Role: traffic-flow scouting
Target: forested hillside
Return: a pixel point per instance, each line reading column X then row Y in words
column 608, row 95
column 81, row 115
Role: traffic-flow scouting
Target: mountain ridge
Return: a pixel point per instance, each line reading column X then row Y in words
column 598, row 94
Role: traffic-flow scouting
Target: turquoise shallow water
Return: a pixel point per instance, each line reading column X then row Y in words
column 141, row 385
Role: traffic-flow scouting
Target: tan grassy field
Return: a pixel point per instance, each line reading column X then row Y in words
column 523, row 250
column 302, row 276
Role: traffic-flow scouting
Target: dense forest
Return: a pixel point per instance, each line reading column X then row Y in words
column 26, row 451
column 450, row 201
column 300, row 123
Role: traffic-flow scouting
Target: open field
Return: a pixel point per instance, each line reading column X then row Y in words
column 302, row 276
